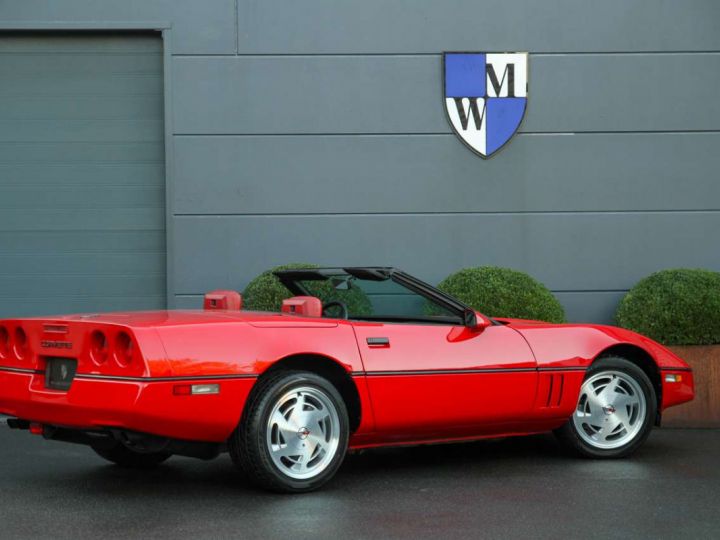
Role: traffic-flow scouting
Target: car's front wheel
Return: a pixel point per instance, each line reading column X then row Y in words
column 615, row 411
column 294, row 432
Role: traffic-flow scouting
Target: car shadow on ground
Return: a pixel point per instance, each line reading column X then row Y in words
column 397, row 463
column 487, row 459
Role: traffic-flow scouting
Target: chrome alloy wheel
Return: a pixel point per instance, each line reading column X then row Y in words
column 303, row 432
column 611, row 410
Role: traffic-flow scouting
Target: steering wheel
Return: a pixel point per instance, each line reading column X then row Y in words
column 344, row 314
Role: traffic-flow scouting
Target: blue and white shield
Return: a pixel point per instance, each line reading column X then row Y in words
column 485, row 97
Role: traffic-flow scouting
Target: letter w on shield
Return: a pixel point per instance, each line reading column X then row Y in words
column 476, row 106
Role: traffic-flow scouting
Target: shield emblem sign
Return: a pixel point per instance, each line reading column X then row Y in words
column 485, row 97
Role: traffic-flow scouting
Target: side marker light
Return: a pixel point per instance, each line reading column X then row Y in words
column 205, row 389
column 195, row 389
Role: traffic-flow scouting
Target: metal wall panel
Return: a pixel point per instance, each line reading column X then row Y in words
column 569, row 252
column 403, row 94
column 429, row 26
column 590, row 306
column 436, row 173
column 82, row 191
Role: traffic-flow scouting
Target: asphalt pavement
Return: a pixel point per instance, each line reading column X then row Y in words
column 512, row 488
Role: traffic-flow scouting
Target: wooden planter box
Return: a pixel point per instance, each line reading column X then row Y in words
column 704, row 410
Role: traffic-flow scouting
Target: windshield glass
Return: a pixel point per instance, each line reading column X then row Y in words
column 367, row 296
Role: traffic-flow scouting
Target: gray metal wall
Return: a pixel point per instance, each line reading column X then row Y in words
column 315, row 131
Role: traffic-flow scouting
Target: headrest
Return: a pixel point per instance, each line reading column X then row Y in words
column 309, row 306
column 230, row 300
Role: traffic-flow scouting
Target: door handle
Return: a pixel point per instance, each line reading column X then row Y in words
column 378, row 342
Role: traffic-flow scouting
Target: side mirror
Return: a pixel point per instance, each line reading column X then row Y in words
column 477, row 321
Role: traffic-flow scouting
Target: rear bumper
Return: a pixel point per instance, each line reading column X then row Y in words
column 144, row 406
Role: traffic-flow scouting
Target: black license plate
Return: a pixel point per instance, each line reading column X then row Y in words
column 60, row 372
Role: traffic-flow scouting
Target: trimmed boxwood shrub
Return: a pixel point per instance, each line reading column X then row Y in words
column 675, row 307
column 266, row 293
column 503, row 292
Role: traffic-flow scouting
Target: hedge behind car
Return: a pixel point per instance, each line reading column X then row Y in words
column 503, row 292
column 675, row 307
column 266, row 293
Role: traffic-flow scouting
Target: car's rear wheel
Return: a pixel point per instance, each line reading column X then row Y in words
column 294, row 433
column 123, row 456
column 614, row 413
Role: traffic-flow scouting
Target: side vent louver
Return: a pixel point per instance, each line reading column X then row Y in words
column 555, row 385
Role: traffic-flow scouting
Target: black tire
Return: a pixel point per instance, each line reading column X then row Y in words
column 248, row 444
column 569, row 434
column 122, row 456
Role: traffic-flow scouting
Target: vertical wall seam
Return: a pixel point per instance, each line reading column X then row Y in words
column 169, row 169
column 237, row 27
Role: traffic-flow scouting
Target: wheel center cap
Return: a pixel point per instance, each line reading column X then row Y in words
column 609, row 409
column 303, row 432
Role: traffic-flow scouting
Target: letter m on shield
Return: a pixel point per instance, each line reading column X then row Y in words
column 485, row 97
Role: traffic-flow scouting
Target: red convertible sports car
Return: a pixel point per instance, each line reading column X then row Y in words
column 359, row 357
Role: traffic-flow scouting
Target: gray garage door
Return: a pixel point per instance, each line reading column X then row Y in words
column 82, row 194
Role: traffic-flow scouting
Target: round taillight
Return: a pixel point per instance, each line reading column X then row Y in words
column 124, row 347
column 98, row 347
column 21, row 344
column 4, row 342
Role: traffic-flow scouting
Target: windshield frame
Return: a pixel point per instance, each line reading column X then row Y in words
column 464, row 315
